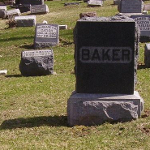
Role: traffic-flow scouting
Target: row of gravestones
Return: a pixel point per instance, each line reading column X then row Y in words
column 35, row 7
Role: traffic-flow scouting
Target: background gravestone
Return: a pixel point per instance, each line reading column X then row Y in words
column 25, row 21
column 46, row 35
column 36, row 62
column 130, row 6
column 105, row 56
column 143, row 22
column 39, row 9
column 95, row 2
column 24, row 8
column 32, row 2
column 147, row 55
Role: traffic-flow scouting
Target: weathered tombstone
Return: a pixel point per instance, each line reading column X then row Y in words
column 25, row 21
column 39, row 9
column 36, row 62
column 62, row 27
column 130, row 6
column 46, row 35
column 13, row 12
column 147, row 55
column 24, row 8
column 32, row 2
column 106, row 51
column 143, row 22
column 95, row 3
column 2, row 11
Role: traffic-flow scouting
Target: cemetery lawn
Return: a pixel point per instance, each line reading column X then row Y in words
column 33, row 109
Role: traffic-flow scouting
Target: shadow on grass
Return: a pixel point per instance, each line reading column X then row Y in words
column 16, row 38
column 34, row 122
column 15, row 75
column 31, row 46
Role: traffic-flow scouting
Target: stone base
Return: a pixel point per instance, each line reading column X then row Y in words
column 95, row 109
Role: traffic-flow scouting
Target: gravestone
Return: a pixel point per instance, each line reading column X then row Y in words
column 36, row 62
column 130, row 6
column 143, row 22
column 39, row 9
column 147, row 55
column 3, row 8
column 2, row 11
column 25, row 21
column 32, row 2
column 95, row 3
column 106, row 51
column 13, row 12
column 46, row 35
column 24, row 8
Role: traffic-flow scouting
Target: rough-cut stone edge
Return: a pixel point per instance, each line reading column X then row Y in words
column 75, row 98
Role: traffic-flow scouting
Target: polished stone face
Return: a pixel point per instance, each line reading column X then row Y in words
column 105, row 56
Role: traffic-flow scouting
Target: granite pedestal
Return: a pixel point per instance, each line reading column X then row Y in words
column 96, row 109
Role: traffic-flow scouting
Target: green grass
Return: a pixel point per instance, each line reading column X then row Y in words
column 33, row 109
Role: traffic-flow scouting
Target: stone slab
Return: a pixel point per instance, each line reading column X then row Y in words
column 130, row 6
column 96, row 109
column 143, row 22
column 3, row 72
column 32, row 2
column 95, row 3
column 25, row 21
column 39, row 9
column 3, row 7
column 62, row 27
column 13, row 12
column 2, row 14
column 147, row 55
column 46, row 35
column 36, row 62
column 98, row 40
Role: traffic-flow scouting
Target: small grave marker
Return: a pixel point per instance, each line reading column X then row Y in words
column 36, row 62
column 39, row 9
column 46, row 35
column 130, row 6
column 143, row 22
column 147, row 55
column 25, row 21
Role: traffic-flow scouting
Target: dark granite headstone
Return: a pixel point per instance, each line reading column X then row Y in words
column 32, row 2
column 24, row 8
column 106, row 52
column 130, row 6
column 143, row 22
column 46, row 35
column 39, row 9
column 147, row 55
column 36, row 62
